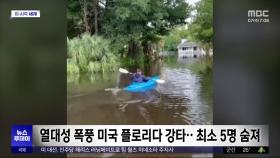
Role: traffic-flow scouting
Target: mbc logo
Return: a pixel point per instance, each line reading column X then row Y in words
column 258, row 13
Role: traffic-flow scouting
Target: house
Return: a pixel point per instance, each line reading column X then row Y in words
column 189, row 49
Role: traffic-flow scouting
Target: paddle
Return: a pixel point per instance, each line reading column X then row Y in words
column 123, row 71
column 126, row 72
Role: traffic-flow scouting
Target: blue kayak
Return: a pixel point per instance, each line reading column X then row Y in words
column 142, row 86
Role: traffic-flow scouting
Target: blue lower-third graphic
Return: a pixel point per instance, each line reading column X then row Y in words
column 21, row 140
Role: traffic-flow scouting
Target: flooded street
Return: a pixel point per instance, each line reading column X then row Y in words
column 184, row 99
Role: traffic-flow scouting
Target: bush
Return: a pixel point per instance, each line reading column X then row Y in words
column 90, row 54
column 72, row 68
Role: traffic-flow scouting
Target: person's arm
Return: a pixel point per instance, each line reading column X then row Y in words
column 131, row 76
column 145, row 79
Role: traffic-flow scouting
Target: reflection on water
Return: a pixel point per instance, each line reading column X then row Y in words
column 185, row 98
column 181, row 100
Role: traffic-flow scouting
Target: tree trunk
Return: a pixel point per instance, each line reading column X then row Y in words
column 147, row 49
column 133, row 49
column 85, row 13
column 95, row 17
column 208, row 48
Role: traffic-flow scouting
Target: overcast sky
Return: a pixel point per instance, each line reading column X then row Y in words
column 191, row 2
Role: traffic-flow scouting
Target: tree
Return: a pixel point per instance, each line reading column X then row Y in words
column 140, row 22
column 95, row 8
column 202, row 27
column 84, row 16
column 74, row 18
column 84, row 6
column 171, row 41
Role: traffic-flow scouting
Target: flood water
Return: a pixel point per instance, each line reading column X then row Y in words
column 184, row 99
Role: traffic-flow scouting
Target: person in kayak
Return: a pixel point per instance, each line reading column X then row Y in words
column 138, row 76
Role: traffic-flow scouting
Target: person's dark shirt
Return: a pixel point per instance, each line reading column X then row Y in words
column 136, row 77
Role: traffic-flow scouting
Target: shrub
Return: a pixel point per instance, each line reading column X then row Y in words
column 90, row 54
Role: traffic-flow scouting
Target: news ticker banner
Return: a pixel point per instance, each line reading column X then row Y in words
column 140, row 139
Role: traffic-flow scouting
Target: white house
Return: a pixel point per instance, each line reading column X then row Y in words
column 189, row 49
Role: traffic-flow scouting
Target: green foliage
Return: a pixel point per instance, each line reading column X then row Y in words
column 202, row 27
column 173, row 39
column 74, row 18
column 72, row 68
column 81, row 16
column 200, row 30
column 134, row 63
column 130, row 25
column 142, row 20
column 90, row 54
